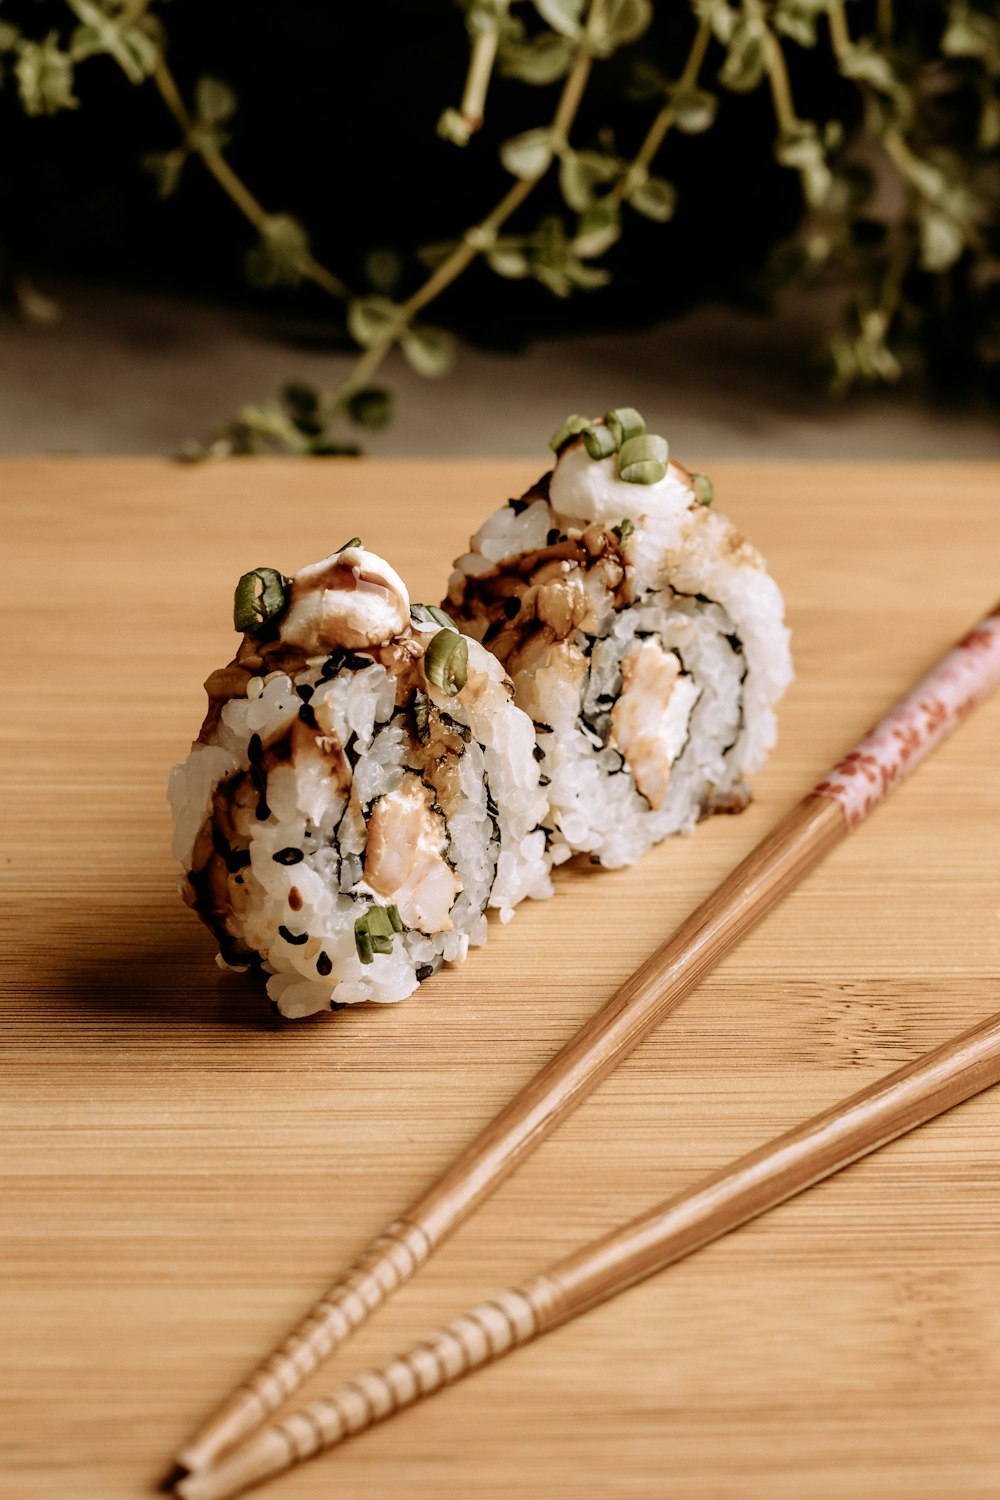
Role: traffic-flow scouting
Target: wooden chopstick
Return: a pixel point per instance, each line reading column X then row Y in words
column 848, row 793
column 787, row 1165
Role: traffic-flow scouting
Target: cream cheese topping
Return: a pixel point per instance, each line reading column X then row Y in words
column 589, row 489
column 352, row 598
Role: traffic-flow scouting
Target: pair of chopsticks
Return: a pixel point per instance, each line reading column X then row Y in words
column 824, row 1145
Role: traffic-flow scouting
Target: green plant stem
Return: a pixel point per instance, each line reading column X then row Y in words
column 481, row 235
column 233, row 186
column 477, row 82
column 840, row 36
column 781, row 89
column 638, row 169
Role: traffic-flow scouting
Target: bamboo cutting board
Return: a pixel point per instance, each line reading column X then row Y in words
column 183, row 1174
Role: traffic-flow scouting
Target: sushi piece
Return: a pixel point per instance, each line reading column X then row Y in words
column 361, row 791
column 642, row 634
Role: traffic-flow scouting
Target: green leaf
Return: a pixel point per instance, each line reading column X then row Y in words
column 580, row 172
column 743, row 68
column 528, row 155
column 370, row 319
column 694, row 110
column 598, row 228
column 797, row 19
column 214, row 100
column 429, row 351
column 454, row 127
column 941, row 240
column 44, row 75
column 619, row 23
column 866, row 65
column 279, row 258
column 541, row 59
column 562, row 15
column 165, row 168
column 9, row 36
column 587, row 278
column 384, row 269
column 133, row 48
column 973, row 33
column 371, row 407
column 654, row 199
column 508, row 261
column 721, row 15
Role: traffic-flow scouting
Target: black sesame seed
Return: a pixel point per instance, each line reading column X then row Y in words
column 538, row 752
column 335, row 1006
column 304, row 691
column 295, row 938
column 511, row 606
column 307, row 716
column 354, row 663
column 262, row 812
column 552, row 537
column 255, row 749
column 288, row 856
column 424, row 972
column 237, row 859
column 324, row 964
column 545, row 781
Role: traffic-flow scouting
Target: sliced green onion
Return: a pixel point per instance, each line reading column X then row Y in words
column 421, row 716
column 446, row 662
column 377, row 919
column 625, row 422
column 624, row 531
column 261, row 597
column 429, row 614
column 643, row 459
column 703, row 488
column 569, row 428
column 599, row 442
column 393, row 914
column 374, row 931
column 354, row 542
column 363, row 943
column 381, row 944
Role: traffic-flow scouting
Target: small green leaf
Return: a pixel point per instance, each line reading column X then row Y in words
column 528, row 155
column 654, row 199
column 694, row 110
column 619, row 23
column 580, row 173
column 797, row 19
column 371, row 407
column 165, row 168
column 279, row 258
column 941, row 240
column 9, row 36
column 370, row 319
column 597, row 230
column 743, row 68
column 44, row 75
column 540, row 60
column 562, row 15
column 704, row 488
column 587, row 278
column 508, row 261
column 214, row 100
column 429, row 351
column 454, row 127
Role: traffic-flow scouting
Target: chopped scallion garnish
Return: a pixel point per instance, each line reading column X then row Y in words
column 599, row 442
column 703, row 488
column 429, row 614
column 374, row 931
column 569, row 428
column 446, row 662
column 643, row 459
column 354, row 542
column 261, row 598
column 625, row 422
column 624, row 531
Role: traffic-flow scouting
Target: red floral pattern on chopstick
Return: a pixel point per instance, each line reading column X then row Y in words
column 918, row 722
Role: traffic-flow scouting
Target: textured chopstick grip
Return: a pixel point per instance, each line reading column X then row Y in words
column 917, row 723
column 474, row 1339
column 379, row 1270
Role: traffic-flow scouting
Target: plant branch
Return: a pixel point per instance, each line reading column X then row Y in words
column 484, row 51
column 232, row 185
column 781, row 89
column 639, row 167
column 480, row 236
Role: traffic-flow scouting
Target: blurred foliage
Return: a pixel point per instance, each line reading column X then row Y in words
column 834, row 143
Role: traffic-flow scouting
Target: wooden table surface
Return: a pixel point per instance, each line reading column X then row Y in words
column 184, row 1174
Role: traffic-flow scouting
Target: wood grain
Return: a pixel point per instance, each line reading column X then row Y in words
column 184, row 1173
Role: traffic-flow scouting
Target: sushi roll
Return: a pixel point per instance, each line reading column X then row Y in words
column 361, row 791
column 642, row 634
